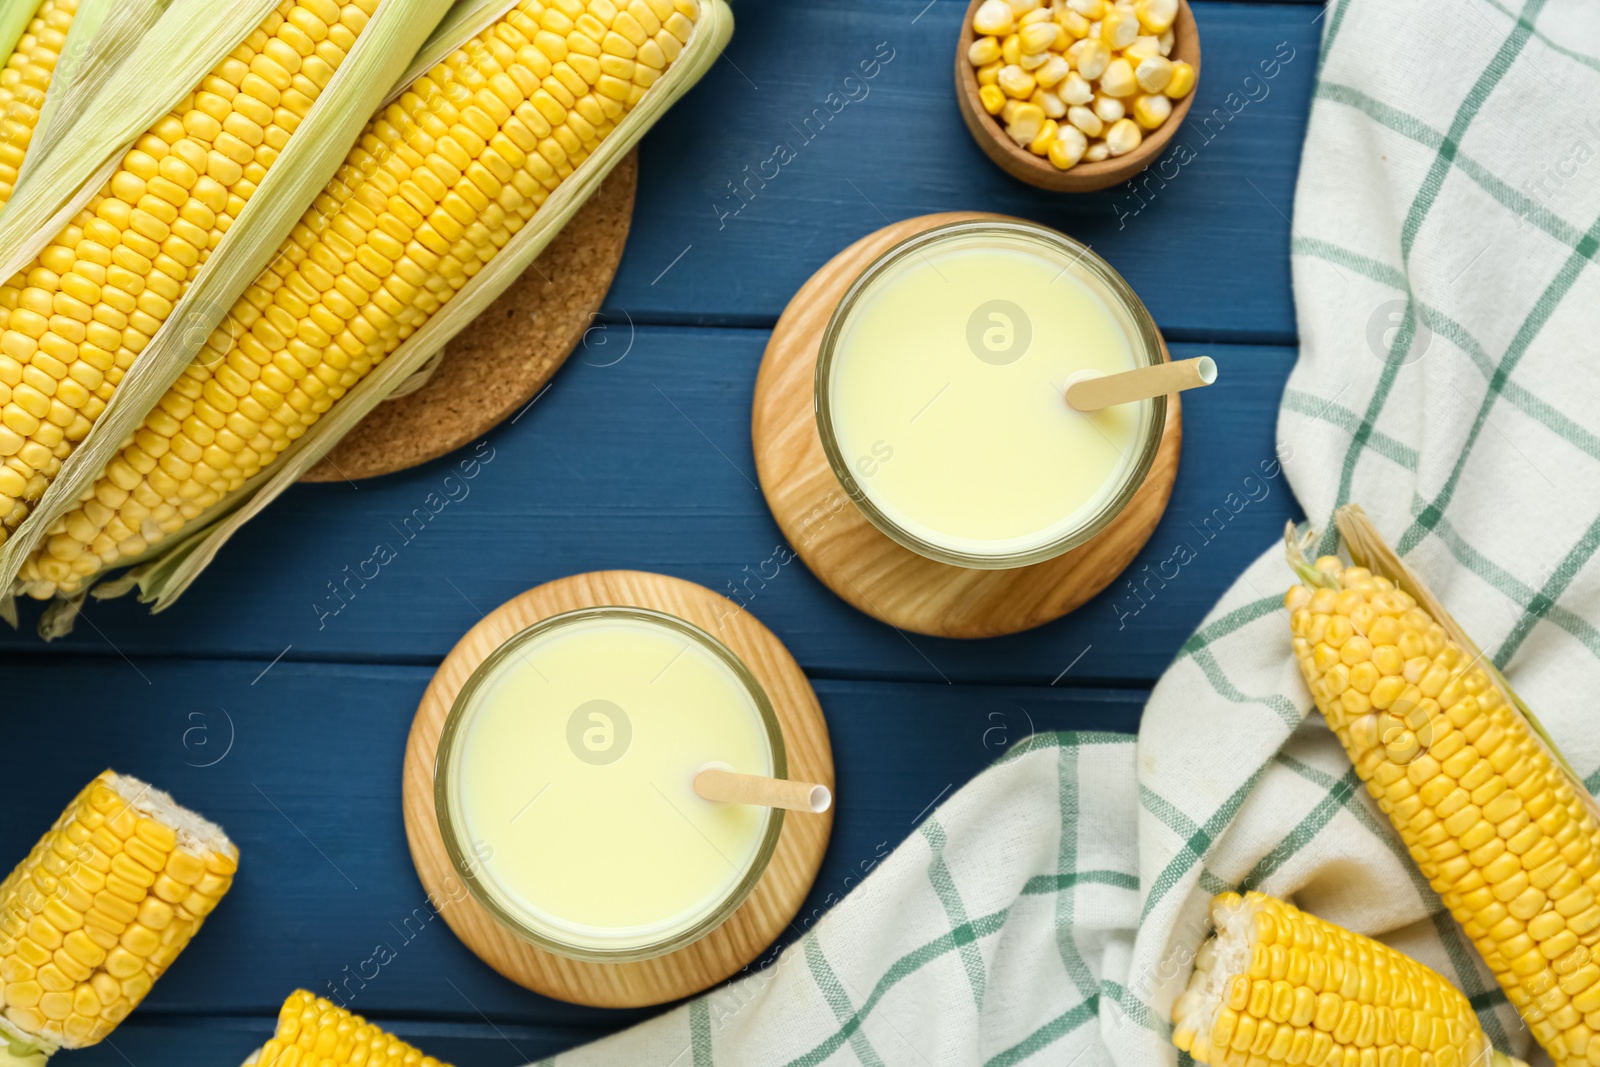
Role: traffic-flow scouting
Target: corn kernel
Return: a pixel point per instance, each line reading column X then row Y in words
column 994, row 17
column 1068, row 147
column 1039, row 37
column 1090, row 57
column 1085, row 120
column 1118, row 79
column 984, row 50
column 1123, row 137
column 1025, row 123
column 1181, row 82
column 1153, row 73
column 1156, row 16
column 1075, row 90
column 1151, row 111
column 1118, row 29
column 1076, row 26
column 1052, row 72
column 1016, row 82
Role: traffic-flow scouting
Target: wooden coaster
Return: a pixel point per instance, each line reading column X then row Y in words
column 769, row 909
column 495, row 366
column 850, row 555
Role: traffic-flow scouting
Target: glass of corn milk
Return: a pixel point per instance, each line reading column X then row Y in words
column 940, row 393
column 564, row 783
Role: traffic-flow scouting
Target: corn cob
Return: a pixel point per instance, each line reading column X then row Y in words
column 23, row 82
column 1274, row 986
column 74, row 321
column 101, row 906
column 313, row 1032
column 1495, row 823
column 439, row 181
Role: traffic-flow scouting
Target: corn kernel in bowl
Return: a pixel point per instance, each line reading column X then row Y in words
column 1078, row 80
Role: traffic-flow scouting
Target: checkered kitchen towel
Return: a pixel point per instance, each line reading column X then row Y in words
column 1449, row 380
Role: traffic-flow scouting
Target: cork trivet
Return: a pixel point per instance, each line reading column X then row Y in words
column 766, row 913
column 506, row 355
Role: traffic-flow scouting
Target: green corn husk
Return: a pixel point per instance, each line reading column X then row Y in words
column 19, row 1050
column 169, row 571
column 14, row 19
column 102, row 34
column 148, row 77
column 466, row 20
column 306, row 164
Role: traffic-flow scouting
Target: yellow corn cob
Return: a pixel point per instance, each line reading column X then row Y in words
column 313, row 1032
column 1492, row 820
column 101, row 906
column 1274, row 986
column 73, row 322
column 23, row 82
column 439, row 181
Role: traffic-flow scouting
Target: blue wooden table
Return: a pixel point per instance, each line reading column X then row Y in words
column 281, row 710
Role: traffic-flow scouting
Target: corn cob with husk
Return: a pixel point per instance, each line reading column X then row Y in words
column 439, row 182
column 1274, row 986
column 313, row 1032
column 179, row 119
column 72, row 325
column 23, row 81
column 1493, row 816
column 98, row 911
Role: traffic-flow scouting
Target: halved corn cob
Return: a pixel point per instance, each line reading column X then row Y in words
column 1496, row 825
column 438, row 183
column 23, row 81
column 1274, row 986
column 73, row 323
column 313, row 1032
column 101, row 906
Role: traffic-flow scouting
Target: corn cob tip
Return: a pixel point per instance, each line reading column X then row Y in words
column 1274, row 986
column 1324, row 572
column 315, row 1032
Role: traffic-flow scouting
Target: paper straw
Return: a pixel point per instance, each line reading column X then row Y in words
column 730, row 787
column 1094, row 391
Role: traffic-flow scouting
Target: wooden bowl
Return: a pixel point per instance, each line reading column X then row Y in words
column 1085, row 177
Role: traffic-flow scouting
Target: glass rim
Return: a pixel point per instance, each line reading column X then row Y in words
column 463, row 857
column 1148, row 350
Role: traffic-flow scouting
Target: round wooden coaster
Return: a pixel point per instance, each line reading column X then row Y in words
column 495, row 366
column 777, row 897
column 850, row 555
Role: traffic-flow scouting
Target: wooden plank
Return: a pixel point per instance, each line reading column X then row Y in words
column 647, row 464
column 156, row 1038
column 310, row 790
column 1207, row 249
